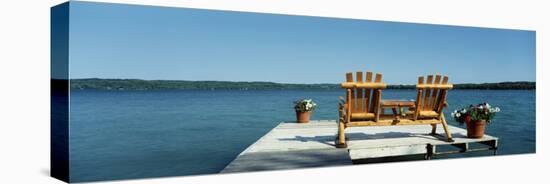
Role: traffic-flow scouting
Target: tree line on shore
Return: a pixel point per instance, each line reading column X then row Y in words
column 137, row 84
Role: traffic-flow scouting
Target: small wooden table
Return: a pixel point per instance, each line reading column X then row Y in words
column 396, row 104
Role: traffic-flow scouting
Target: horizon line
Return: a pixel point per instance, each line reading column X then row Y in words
column 259, row 81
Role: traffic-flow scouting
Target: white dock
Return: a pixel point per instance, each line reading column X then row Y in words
column 303, row 145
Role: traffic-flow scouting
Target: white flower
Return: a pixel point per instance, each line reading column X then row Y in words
column 480, row 107
column 458, row 115
column 463, row 111
column 494, row 110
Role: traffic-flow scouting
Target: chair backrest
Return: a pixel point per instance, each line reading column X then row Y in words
column 363, row 95
column 432, row 94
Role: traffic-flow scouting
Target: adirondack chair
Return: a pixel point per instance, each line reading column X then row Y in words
column 362, row 102
column 431, row 99
column 361, row 108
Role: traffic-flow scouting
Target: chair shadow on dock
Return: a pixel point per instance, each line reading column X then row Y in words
column 393, row 135
column 353, row 136
column 325, row 139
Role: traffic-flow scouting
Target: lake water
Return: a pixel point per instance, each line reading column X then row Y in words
column 138, row 134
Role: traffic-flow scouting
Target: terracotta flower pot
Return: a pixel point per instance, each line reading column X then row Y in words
column 476, row 129
column 303, row 117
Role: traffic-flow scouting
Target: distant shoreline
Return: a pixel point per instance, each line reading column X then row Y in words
column 138, row 84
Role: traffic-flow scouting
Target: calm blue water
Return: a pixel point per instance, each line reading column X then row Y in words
column 137, row 134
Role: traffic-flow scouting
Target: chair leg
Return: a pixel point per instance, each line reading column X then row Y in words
column 446, row 128
column 434, row 127
column 341, row 139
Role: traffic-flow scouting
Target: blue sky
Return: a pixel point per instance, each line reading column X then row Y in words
column 145, row 42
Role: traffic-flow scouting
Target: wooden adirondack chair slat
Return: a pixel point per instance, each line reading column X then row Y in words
column 442, row 95
column 378, row 78
column 359, row 92
column 352, row 101
column 376, row 94
column 428, row 93
column 368, row 92
column 435, row 93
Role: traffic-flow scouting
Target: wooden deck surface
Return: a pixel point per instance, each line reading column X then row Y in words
column 293, row 145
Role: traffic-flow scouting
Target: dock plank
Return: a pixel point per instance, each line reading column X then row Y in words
column 276, row 160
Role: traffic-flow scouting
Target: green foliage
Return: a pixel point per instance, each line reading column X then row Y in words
column 136, row 84
column 500, row 85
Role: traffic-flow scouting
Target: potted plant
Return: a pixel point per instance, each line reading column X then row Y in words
column 475, row 117
column 303, row 108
